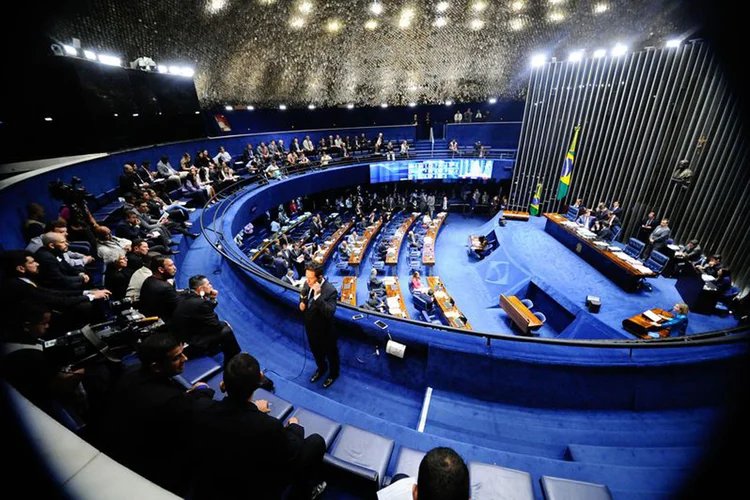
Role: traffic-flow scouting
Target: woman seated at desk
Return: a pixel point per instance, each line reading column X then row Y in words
column 677, row 325
column 416, row 284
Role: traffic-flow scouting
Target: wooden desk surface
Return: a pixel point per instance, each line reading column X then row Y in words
column 359, row 248
column 428, row 249
column 640, row 326
column 560, row 219
column 519, row 313
column 451, row 312
column 275, row 236
column 392, row 289
column 349, row 290
column 326, row 248
column 391, row 257
column 516, row 215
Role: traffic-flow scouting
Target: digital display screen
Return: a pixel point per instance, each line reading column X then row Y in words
column 431, row 169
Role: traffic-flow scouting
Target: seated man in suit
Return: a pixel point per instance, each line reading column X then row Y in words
column 414, row 240
column 195, row 322
column 54, row 271
column 711, row 267
column 374, row 303
column 689, row 254
column 442, row 474
column 132, row 230
column 279, row 265
column 586, row 220
column 344, row 251
column 375, row 284
column 158, row 294
column 148, row 410
column 248, row 454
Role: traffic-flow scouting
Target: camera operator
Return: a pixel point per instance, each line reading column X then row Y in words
column 25, row 366
column 20, row 271
column 75, row 211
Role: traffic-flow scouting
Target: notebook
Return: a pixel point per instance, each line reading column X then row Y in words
column 652, row 316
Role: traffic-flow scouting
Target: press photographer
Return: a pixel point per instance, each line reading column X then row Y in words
column 75, row 209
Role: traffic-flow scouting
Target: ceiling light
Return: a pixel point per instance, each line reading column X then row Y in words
column 440, row 22
column 282, row 107
column 197, row 113
column 479, row 6
column 556, row 16
column 187, row 72
column 601, row 7
column 517, row 24
column 162, row 69
column 297, row 22
column 228, row 108
column 109, row 60
column 350, row 106
column 250, row 107
column 175, row 70
column 333, row 26
column 91, row 56
column 406, row 16
column 516, row 6
column 538, row 60
column 311, row 106
column 477, row 24
column 599, row 53
column 371, row 24
column 135, row 115
column 412, row 104
column 493, row 100
column 305, row 7
column 376, row 8
column 116, row 115
column 619, row 50
column 404, row 22
column 442, row 6
column 48, row 119
column 555, row 2
column 449, row 103
column 576, row 56
column 673, row 43
column 70, row 50
column 384, row 105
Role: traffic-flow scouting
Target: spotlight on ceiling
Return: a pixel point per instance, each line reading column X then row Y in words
column 350, row 106
column 476, row 24
column 282, row 107
column 479, row 6
column 187, row 72
column 517, row 24
column 412, row 104
column 371, row 24
column 556, row 16
column 376, row 8
column 406, row 17
column 449, row 103
column 384, row 105
column 576, row 56
column 162, row 69
column 333, row 26
column 671, row 44
column 440, row 22
column 109, row 60
column 599, row 53
column 228, row 108
column 601, row 7
column 70, row 50
column 135, row 115
column 305, row 7
column 517, row 5
column 48, row 119
column 619, row 50
column 493, row 100
column 442, row 6
column 538, row 60
column 175, row 70
column 90, row 55
column 197, row 113
column 311, row 106
column 297, row 22
column 216, row 5
column 250, row 107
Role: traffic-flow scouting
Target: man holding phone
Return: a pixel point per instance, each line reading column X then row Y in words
column 317, row 301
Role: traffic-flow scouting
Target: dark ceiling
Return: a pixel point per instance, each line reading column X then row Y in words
column 249, row 51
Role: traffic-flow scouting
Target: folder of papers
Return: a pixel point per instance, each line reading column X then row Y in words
column 393, row 303
column 652, row 316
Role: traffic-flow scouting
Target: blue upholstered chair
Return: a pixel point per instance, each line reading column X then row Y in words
column 360, row 452
column 572, row 213
column 540, row 316
column 408, row 462
column 490, row 482
column 528, row 303
column 656, row 261
column 555, row 488
column 614, row 234
column 197, row 370
column 315, row 423
column 634, row 248
column 419, row 302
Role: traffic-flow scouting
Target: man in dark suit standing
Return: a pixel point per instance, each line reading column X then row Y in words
column 647, row 225
column 249, row 454
column 196, row 323
column 317, row 301
column 158, row 295
column 149, row 415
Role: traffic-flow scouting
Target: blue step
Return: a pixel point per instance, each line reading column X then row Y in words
column 678, row 456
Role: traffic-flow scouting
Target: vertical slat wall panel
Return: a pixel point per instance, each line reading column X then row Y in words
column 639, row 115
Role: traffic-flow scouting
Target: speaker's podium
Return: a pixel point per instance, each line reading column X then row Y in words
column 697, row 291
column 641, row 324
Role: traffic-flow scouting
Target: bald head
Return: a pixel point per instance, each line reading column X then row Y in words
column 55, row 241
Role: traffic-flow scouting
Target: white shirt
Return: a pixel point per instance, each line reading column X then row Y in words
column 136, row 282
column 275, row 226
column 222, row 156
column 458, row 117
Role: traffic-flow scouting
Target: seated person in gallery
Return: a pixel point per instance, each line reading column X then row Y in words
column 586, row 220
column 344, row 251
column 677, row 325
column 415, row 284
column 483, row 249
column 711, row 267
column 374, row 303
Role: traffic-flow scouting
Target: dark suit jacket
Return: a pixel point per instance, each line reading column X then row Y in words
column 16, row 291
column 158, row 298
column 319, row 313
column 247, row 454
column 194, row 320
column 56, row 273
column 279, row 267
column 132, row 233
column 146, row 426
column 116, row 281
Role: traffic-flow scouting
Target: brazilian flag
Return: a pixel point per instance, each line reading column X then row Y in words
column 534, row 208
column 567, row 169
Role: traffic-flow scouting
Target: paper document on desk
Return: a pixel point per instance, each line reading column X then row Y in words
column 441, row 295
column 652, row 316
column 393, row 303
column 642, row 268
column 451, row 314
column 389, row 280
column 399, row 490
